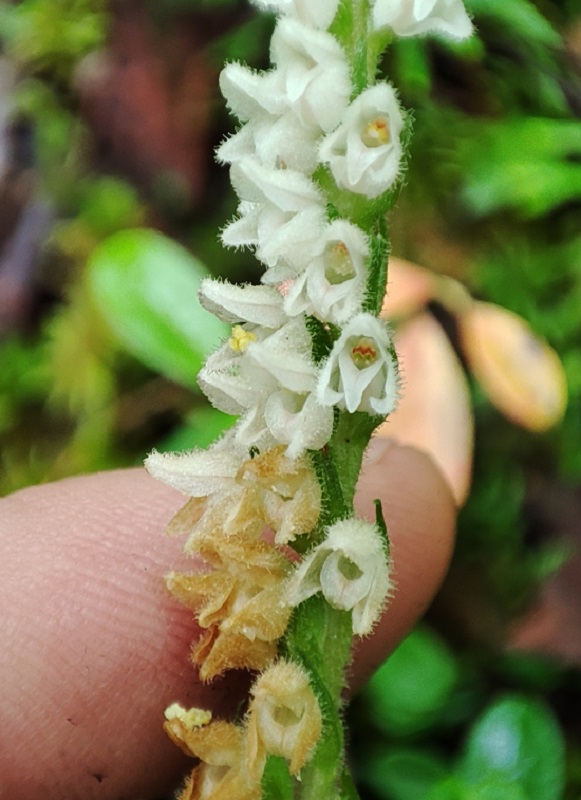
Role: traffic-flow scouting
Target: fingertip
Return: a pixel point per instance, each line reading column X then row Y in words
column 94, row 647
column 421, row 516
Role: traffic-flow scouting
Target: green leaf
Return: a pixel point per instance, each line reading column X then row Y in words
column 406, row 694
column 520, row 16
column 107, row 205
column 531, row 164
column 145, row 287
column 455, row 789
column 277, row 784
column 403, row 774
column 413, row 66
column 202, row 426
column 516, row 742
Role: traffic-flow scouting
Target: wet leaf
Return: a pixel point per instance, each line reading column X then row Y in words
column 406, row 694
column 517, row 742
column 145, row 286
column 403, row 774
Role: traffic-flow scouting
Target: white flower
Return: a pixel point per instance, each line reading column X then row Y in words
column 285, row 355
column 279, row 236
column 200, row 472
column 333, row 284
column 360, row 374
column 417, row 17
column 278, row 142
column 286, row 189
column 268, row 377
column 364, row 152
column 351, row 569
column 286, row 418
column 261, row 305
column 221, row 379
column 250, row 94
column 298, row 421
column 312, row 79
column 314, row 72
column 317, row 13
column 282, row 213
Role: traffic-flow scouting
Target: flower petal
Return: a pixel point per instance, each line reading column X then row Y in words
column 417, row 17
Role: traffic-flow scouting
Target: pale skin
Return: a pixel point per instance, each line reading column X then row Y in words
column 93, row 647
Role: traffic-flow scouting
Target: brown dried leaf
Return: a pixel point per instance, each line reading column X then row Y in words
column 520, row 373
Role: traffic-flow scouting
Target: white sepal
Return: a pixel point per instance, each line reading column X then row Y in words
column 298, row 421
column 316, row 13
column 243, row 230
column 250, row 94
column 418, row 17
column 351, row 568
column 261, row 305
column 360, row 374
column 278, row 142
column 288, row 237
column 313, row 70
column 282, row 213
column 200, row 472
column 288, row 190
column 285, row 355
column 364, row 152
column 222, row 382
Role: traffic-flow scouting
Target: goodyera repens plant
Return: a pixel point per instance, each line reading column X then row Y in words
column 289, row 574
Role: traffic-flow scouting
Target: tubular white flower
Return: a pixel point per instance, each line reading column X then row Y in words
column 251, row 94
column 282, row 213
column 288, row 238
column 360, row 374
column 351, row 569
column 318, row 14
column 333, row 284
column 418, row 17
column 221, row 378
column 286, row 189
column 314, row 72
column 198, row 473
column 285, row 355
column 364, row 152
column 278, row 141
column 268, row 377
column 261, row 305
column 298, row 421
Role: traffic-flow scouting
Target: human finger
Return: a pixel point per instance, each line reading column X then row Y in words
column 95, row 648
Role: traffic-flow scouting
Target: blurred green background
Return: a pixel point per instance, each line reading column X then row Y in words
column 111, row 203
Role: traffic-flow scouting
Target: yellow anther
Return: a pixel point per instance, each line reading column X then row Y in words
column 240, row 339
column 376, row 133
